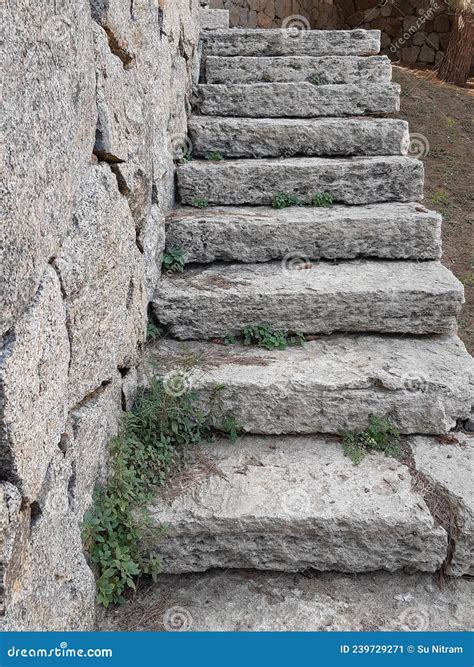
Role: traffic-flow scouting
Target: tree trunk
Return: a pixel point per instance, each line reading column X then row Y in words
column 457, row 59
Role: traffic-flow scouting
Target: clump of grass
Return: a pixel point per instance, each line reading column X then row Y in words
column 262, row 335
column 381, row 435
column 215, row 156
column 285, row 200
column 441, row 197
column 321, row 200
column 185, row 158
column 315, row 80
column 173, row 261
column 154, row 441
column 199, row 202
column 468, row 279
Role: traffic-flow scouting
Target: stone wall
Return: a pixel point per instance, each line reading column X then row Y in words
column 96, row 99
column 271, row 13
column 413, row 31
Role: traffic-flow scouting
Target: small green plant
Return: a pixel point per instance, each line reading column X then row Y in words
column 214, row 156
column 230, row 339
column 321, row 200
column 450, row 122
column 186, row 157
column 199, row 202
column 315, row 80
column 153, row 332
column 381, row 435
column 441, row 197
column 173, row 261
column 154, row 441
column 296, row 339
column 230, row 428
column 262, row 335
column 468, row 279
column 285, row 200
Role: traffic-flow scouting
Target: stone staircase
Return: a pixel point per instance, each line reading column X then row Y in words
column 361, row 280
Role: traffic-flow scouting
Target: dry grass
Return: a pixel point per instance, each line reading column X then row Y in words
column 443, row 114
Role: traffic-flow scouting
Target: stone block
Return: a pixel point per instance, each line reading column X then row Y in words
column 33, row 376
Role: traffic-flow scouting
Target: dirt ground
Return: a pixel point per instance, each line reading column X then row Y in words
column 443, row 114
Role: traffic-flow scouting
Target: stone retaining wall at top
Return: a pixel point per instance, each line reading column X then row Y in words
column 271, row 13
column 413, row 31
column 96, row 102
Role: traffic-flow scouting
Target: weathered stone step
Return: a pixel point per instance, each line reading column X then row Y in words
column 331, row 384
column 297, row 100
column 244, row 601
column 277, row 42
column 388, row 297
column 295, row 503
column 260, row 234
column 256, row 182
column 274, row 137
column 325, row 70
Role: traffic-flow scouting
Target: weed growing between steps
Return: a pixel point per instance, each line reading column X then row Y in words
column 173, row 260
column 214, row 157
column 262, row 335
column 321, row 200
column 199, row 202
column 286, row 199
column 154, row 441
column 315, row 80
column 381, row 435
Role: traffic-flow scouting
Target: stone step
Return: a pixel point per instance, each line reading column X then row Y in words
column 325, row 70
column 331, row 384
column 291, row 504
column 261, row 234
column 349, row 181
column 256, row 601
column 277, row 42
column 389, row 297
column 297, row 100
column 275, row 137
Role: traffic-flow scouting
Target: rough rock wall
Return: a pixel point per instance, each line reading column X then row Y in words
column 320, row 14
column 413, row 31
column 96, row 96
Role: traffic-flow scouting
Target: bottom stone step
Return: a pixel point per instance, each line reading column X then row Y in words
column 330, row 385
column 245, row 600
column 292, row 504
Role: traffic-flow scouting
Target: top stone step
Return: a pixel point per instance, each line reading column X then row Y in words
column 286, row 42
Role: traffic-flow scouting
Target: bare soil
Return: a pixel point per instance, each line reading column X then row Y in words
column 443, row 114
